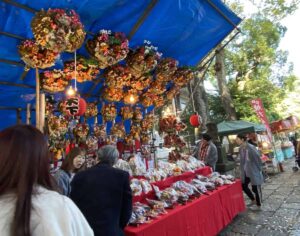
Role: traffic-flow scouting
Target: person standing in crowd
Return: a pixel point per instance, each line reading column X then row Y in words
column 103, row 194
column 70, row 166
column 206, row 151
column 29, row 206
column 251, row 170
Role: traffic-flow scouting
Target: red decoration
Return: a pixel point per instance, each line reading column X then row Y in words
column 74, row 106
column 195, row 120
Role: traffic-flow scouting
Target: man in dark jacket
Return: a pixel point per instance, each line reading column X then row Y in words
column 103, row 194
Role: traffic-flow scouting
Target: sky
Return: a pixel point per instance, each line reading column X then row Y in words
column 291, row 40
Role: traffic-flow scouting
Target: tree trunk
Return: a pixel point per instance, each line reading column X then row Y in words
column 200, row 100
column 223, row 89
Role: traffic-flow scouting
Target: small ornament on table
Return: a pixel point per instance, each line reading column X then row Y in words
column 145, row 138
column 92, row 144
column 35, row 56
column 117, row 76
column 109, row 112
column 108, row 48
column 113, row 94
column 99, row 131
column 126, row 112
column 135, row 131
column 58, row 30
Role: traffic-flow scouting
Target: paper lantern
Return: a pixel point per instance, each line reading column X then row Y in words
column 195, row 120
column 74, row 106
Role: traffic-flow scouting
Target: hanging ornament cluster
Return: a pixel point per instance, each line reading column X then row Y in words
column 35, row 56
column 53, row 81
column 58, row 30
column 108, row 48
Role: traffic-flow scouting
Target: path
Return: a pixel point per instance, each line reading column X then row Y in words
column 280, row 213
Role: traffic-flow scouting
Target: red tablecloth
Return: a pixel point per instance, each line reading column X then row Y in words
column 205, row 216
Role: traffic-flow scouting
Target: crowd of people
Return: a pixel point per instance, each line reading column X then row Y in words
column 95, row 201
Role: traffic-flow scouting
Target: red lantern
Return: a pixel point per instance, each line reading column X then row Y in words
column 195, row 120
column 74, row 106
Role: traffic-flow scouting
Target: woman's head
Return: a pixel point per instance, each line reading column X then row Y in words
column 108, row 154
column 24, row 163
column 240, row 139
column 74, row 160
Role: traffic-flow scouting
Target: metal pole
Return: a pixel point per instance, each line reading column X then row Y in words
column 37, row 99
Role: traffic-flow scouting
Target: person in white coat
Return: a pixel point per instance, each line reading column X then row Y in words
column 29, row 206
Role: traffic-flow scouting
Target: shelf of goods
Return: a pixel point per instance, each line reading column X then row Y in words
column 206, row 215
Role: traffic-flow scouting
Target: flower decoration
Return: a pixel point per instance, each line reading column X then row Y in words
column 166, row 69
column 157, row 87
column 118, row 130
column 182, row 76
column 81, row 130
column 135, row 131
column 171, row 124
column 159, row 101
column 172, row 92
column 113, row 94
column 141, row 83
column 109, row 112
column 35, row 56
column 131, row 97
column 126, row 112
column 143, row 60
column 137, row 115
column 86, row 69
column 58, row 30
column 148, row 122
column 108, row 48
column 58, row 126
column 53, row 81
column 99, row 131
column 91, row 110
column 117, row 76
column 147, row 99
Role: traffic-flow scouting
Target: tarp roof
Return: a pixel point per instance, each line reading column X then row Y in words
column 239, row 126
column 186, row 30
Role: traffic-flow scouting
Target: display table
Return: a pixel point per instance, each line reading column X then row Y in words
column 187, row 176
column 205, row 216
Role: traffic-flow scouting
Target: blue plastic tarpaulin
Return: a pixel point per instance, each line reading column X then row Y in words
column 186, row 30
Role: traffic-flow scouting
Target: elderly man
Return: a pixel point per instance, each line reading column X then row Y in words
column 103, row 194
column 206, row 151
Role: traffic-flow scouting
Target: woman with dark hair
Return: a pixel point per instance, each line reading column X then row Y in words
column 71, row 164
column 251, row 169
column 29, row 206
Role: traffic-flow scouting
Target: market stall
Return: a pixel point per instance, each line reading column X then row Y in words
column 88, row 81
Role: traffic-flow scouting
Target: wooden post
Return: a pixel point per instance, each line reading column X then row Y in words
column 42, row 111
column 28, row 114
column 19, row 118
column 37, row 99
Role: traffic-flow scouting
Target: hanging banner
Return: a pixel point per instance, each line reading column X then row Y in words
column 260, row 112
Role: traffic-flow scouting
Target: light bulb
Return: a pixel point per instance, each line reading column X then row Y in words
column 70, row 91
column 168, row 110
column 131, row 98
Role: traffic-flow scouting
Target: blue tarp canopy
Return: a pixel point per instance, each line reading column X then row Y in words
column 186, row 30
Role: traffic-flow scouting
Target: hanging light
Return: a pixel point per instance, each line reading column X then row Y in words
column 70, row 91
column 131, row 99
